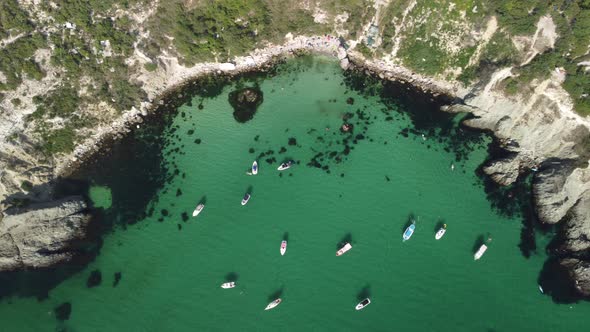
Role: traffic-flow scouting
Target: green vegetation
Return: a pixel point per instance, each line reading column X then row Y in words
column 150, row 66
column 224, row 28
column 13, row 19
column 364, row 50
column 58, row 140
column 16, row 61
column 61, row 102
column 519, row 17
column 26, row 186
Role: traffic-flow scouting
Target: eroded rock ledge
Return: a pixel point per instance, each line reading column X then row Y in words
column 43, row 235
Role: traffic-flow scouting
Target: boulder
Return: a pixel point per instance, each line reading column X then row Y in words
column 503, row 171
column 43, row 235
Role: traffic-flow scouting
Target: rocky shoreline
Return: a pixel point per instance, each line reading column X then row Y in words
column 540, row 132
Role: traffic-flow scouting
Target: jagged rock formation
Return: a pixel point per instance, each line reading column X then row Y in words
column 579, row 271
column 44, row 235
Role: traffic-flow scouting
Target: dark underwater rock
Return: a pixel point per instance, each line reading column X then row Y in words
column 245, row 102
column 118, row 276
column 94, row 279
column 63, row 311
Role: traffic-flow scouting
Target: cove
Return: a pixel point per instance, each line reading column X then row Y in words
column 159, row 269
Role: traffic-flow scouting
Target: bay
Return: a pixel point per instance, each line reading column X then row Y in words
column 399, row 168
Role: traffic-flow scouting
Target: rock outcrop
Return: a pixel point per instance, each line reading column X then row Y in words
column 44, row 235
column 245, row 102
column 579, row 271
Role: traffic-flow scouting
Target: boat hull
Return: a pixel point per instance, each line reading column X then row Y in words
column 480, row 252
column 283, row 248
column 273, row 304
column 441, row 232
column 198, row 209
column 228, row 285
column 344, row 249
column 254, row 168
column 409, row 232
column 363, row 304
column 285, row 166
column 246, row 199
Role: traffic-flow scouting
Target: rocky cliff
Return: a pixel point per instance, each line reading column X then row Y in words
column 43, row 235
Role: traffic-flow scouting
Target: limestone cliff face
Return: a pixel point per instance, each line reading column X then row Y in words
column 44, row 235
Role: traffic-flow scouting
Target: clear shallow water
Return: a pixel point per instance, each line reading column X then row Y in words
column 170, row 276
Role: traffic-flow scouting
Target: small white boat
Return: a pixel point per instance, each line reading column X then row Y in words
column 541, row 289
column 228, row 285
column 198, row 209
column 363, row 304
column 273, row 304
column 344, row 249
column 283, row 247
column 480, row 252
column 245, row 199
column 254, row 168
column 285, row 166
column 409, row 231
column 439, row 234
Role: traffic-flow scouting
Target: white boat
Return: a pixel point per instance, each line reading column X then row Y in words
column 541, row 289
column 285, row 166
column 198, row 209
column 273, row 304
column 283, row 248
column 228, row 285
column 254, row 168
column 480, row 252
column 439, row 234
column 409, row 231
column 363, row 304
column 245, row 199
column 344, row 249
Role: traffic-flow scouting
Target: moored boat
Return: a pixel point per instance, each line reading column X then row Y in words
column 439, row 234
column 245, row 199
column 283, row 247
column 227, row 285
column 198, row 209
column 273, row 304
column 480, row 252
column 285, row 165
column 363, row 304
column 254, row 167
column 344, row 249
column 409, row 231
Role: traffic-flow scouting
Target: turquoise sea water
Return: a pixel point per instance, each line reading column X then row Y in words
column 171, row 269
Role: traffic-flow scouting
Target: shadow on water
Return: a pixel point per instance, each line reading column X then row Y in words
column 411, row 219
column 203, row 200
column 346, row 239
column 364, row 293
column 439, row 224
column 481, row 239
column 249, row 190
column 286, row 236
column 556, row 282
column 232, row 276
column 278, row 293
column 514, row 201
